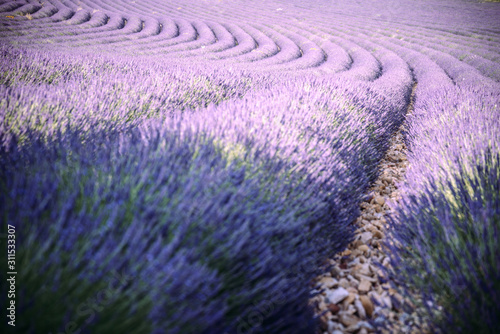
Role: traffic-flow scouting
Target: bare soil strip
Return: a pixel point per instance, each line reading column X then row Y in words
column 355, row 290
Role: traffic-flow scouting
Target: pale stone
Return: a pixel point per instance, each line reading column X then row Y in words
column 348, row 301
column 365, row 237
column 368, row 278
column 388, row 302
column 328, row 282
column 360, row 309
column 380, row 200
column 347, row 252
column 352, row 290
column 337, row 295
column 352, row 328
column 348, row 320
column 357, row 244
column 365, row 269
column 367, row 305
column 364, row 286
column 344, row 283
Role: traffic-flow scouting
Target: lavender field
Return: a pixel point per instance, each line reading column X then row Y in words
column 188, row 166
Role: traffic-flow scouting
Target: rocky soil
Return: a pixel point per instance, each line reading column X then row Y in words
column 355, row 292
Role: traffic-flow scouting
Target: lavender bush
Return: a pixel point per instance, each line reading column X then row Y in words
column 447, row 247
column 244, row 195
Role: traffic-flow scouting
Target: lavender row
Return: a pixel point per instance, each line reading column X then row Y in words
column 446, row 225
column 105, row 160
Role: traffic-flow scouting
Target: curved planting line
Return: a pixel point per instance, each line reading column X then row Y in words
column 487, row 67
column 457, row 70
column 220, row 39
column 471, row 57
column 364, row 65
column 286, row 148
column 430, row 36
column 312, row 54
column 396, row 79
column 11, row 6
column 265, row 45
column 81, row 16
column 105, row 26
column 132, row 26
column 186, row 33
column 336, row 57
column 403, row 52
column 98, row 19
column 450, row 209
column 149, row 27
column 47, row 11
column 52, row 28
column 204, row 37
column 225, row 40
column 28, row 8
column 155, row 31
column 244, row 43
column 428, row 73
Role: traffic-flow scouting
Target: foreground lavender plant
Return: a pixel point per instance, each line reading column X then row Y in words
column 218, row 217
column 447, row 226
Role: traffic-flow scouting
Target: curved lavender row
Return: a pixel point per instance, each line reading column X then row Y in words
column 450, row 207
column 287, row 49
column 213, row 38
column 11, row 6
column 132, row 26
column 478, row 57
column 457, row 70
column 100, row 24
column 118, row 28
column 245, row 43
column 225, row 40
column 154, row 31
column 24, row 9
column 79, row 18
column 337, row 58
column 97, row 20
column 123, row 31
column 204, row 37
column 405, row 51
column 431, row 76
column 364, row 66
column 265, row 46
column 486, row 66
column 186, row 34
column 311, row 54
column 51, row 12
column 321, row 156
column 488, row 48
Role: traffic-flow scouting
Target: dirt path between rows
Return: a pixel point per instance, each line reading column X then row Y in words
column 355, row 290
